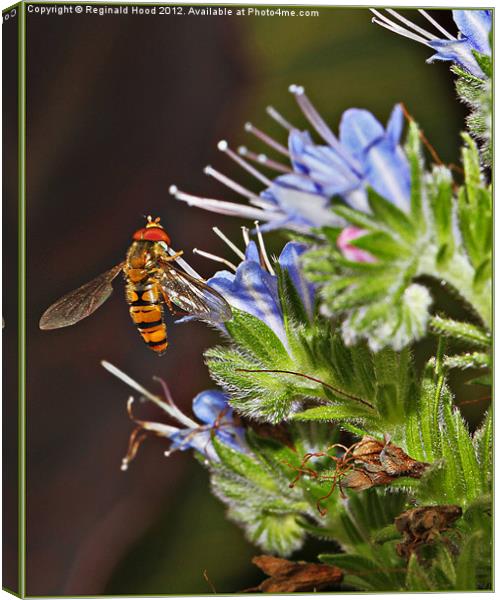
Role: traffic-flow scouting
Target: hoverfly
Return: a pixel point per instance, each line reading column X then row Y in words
column 152, row 281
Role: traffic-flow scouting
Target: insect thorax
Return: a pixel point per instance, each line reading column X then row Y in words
column 142, row 259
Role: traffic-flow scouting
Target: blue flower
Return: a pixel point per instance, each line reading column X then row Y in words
column 474, row 33
column 299, row 197
column 254, row 290
column 211, row 407
column 365, row 155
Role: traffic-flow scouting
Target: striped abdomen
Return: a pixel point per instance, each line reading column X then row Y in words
column 147, row 314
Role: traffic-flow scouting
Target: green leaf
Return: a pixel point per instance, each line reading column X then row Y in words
column 367, row 571
column 333, row 413
column 414, row 153
column 388, row 215
column 417, row 578
column 483, row 445
column 441, row 202
column 244, row 465
column 461, row 331
column 470, row 360
column 382, row 245
column 257, row 338
column 485, row 63
column 466, row 564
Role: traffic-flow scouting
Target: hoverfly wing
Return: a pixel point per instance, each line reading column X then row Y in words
column 193, row 295
column 80, row 303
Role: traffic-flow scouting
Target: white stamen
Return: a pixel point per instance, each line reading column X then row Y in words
column 223, row 147
column 411, row 25
column 263, row 249
column 233, row 185
column 313, row 116
column 246, row 235
column 274, row 114
column 227, row 208
column 264, row 204
column 173, row 411
column 436, row 24
column 225, row 239
column 264, row 160
column 124, row 465
column 215, row 258
column 266, row 139
column 188, row 268
column 383, row 21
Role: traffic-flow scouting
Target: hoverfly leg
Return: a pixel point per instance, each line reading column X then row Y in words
column 173, row 256
column 169, row 304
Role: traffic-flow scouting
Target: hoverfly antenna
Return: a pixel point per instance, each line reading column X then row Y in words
column 153, row 223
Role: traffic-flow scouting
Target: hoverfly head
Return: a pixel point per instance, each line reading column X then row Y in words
column 153, row 232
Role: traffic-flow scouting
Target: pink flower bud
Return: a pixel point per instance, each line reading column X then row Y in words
column 351, row 252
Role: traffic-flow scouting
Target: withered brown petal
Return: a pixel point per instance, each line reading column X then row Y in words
column 287, row 576
column 396, row 462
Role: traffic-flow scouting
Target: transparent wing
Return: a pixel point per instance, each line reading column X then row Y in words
column 193, row 295
column 80, row 303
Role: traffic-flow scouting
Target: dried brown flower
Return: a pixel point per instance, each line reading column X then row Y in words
column 286, row 576
column 424, row 525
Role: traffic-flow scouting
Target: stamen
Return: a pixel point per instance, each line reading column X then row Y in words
column 383, row 21
column 166, row 390
column 215, row 258
column 411, row 25
column 436, row 24
column 224, row 208
column 266, row 139
column 233, row 185
column 246, row 235
column 320, row 125
column 264, row 204
column 136, row 438
column 188, row 268
column 223, row 147
column 263, row 249
column 262, row 159
column 170, row 410
column 274, row 114
column 225, row 239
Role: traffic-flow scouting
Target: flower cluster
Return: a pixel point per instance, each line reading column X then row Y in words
column 210, row 407
column 253, row 288
column 364, row 155
column 474, row 36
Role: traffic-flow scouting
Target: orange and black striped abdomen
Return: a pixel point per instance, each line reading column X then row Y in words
column 147, row 314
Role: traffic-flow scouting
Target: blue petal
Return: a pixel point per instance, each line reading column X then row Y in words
column 357, row 199
column 388, row 173
column 289, row 261
column 297, row 142
column 233, row 437
column 359, row 129
column 255, row 291
column 187, row 438
column 303, row 207
column 210, row 405
column 251, row 253
column 394, row 127
column 293, row 181
column 458, row 51
column 328, row 170
column 475, row 25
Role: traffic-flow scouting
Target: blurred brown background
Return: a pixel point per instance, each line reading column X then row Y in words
column 120, row 107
